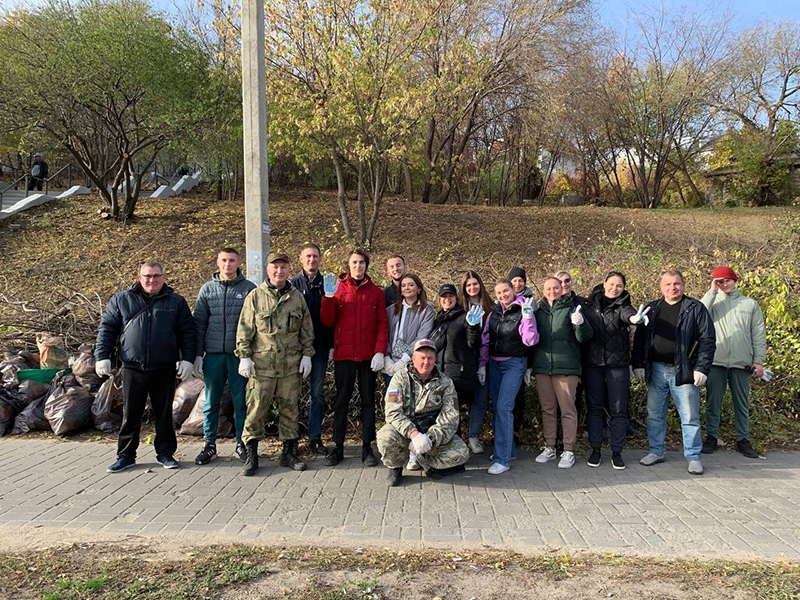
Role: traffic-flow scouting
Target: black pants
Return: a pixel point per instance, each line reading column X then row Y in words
column 159, row 384
column 611, row 384
column 34, row 184
column 345, row 373
column 465, row 394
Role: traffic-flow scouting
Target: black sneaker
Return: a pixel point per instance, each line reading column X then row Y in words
column 121, row 464
column 241, row 452
column 710, row 445
column 745, row 448
column 207, row 454
column 617, row 462
column 368, row 457
column 317, row 447
column 334, row 457
column 594, row 459
column 394, row 476
column 434, row 474
column 168, row 461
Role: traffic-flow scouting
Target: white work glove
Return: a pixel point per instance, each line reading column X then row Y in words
column 184, row 370
column 377, row 362
column 399, row 365
column 700, row 379
column 641, row 316
column 474, row 315
column 420, row 444
column 527, row 309
column 103, row 368
column 639, row 374
column 482, row 375
column 331, row 284
column 305, row 366
column 388, row 365
column 330, row 355
column 577, row 317
column 246, row 367
column 198, row 365
column 527, row 377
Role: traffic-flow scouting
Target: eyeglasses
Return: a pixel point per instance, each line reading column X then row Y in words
column 565, row 280
column 158, row 276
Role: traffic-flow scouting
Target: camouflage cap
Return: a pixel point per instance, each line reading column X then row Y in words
column 424, row 344
column 276, row 256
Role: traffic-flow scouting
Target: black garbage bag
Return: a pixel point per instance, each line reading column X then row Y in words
column 11, row 404
column 69, row 406
column 32, row 418
column 107, row 405
column 186, row 396
column 83, row 369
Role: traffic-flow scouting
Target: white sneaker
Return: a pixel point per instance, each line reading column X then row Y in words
column 412, row 465
column 547, row 454
column 497, row 469
column 567, row 460
column 475, row 446
column 695, row 467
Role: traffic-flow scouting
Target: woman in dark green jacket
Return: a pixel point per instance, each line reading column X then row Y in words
column 557, row 365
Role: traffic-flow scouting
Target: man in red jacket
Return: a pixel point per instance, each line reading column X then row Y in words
column 357, row 308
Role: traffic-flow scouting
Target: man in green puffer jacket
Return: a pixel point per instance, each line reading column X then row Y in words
column 216, row 316
column 740, row 353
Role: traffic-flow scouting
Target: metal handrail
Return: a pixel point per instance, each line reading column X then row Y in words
column 13, row 185
column 68, row 168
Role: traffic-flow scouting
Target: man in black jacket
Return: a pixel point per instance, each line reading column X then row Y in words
column 673, row 354
column 155, row 330
column 38, row 173
column 309, row 282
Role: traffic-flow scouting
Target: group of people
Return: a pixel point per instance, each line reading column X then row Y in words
column 435, row 358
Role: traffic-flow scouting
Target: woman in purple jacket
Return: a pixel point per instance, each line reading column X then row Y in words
column 509, row 332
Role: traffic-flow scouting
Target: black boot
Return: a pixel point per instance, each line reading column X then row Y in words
column 289, row 456
column 251, row 465
column 394, row 477
column 710, row 445
column 368, row 457
column 317, row 447
column 335, row 456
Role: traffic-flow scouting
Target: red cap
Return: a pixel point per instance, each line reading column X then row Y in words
column 724, row 273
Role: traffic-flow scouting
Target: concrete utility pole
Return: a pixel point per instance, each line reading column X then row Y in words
column 254, row 111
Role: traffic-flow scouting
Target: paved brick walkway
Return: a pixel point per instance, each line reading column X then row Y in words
column 740, row 507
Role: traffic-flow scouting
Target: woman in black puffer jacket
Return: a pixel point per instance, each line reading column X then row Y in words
column 608, row 357
column 456, row 345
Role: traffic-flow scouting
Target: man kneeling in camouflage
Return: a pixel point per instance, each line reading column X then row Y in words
column 421, row 415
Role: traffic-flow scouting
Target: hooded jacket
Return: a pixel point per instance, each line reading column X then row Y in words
column 154, row 332
column 456, row 346
column 610, row 345
column 216, row 313
column 416, row 326
column 359, row 314
column 739, row 327
column 558, row 351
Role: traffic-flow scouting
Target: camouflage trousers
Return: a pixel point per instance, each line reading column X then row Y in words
column 261, row 393
column 394, row 451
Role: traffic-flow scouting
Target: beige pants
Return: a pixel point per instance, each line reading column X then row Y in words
column 558, row 391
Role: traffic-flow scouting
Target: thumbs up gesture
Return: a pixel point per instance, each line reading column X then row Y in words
column 641, row 316
column 576, row 317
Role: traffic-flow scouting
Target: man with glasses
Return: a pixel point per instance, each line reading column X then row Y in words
column 156, row 335
column 740, row 353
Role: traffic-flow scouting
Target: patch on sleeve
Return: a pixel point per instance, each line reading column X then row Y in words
column 391, row 395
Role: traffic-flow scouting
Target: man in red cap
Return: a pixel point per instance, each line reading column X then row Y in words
column 740, row 353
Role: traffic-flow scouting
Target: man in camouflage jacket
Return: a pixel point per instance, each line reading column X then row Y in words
column 421, row 414
column 275, row 343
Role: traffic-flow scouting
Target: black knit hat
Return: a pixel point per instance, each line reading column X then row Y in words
column 517, row 272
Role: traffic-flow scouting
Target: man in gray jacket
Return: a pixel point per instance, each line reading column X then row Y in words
column 216, row 315
column 740, row 353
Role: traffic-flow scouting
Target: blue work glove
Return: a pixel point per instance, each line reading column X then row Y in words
column 331, row 284
column 474, row 315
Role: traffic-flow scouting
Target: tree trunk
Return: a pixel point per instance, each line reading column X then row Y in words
column 341, row 194
column 362, row 209
column 377, row 195
column 409, row 182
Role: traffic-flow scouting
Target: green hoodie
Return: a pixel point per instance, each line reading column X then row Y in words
column 558, row 351
column 740, row 329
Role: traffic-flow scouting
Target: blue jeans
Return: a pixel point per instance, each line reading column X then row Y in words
column 687, row 400
column 505, row 379
column 217, row 368
column 319, row 364
column 477, row 411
